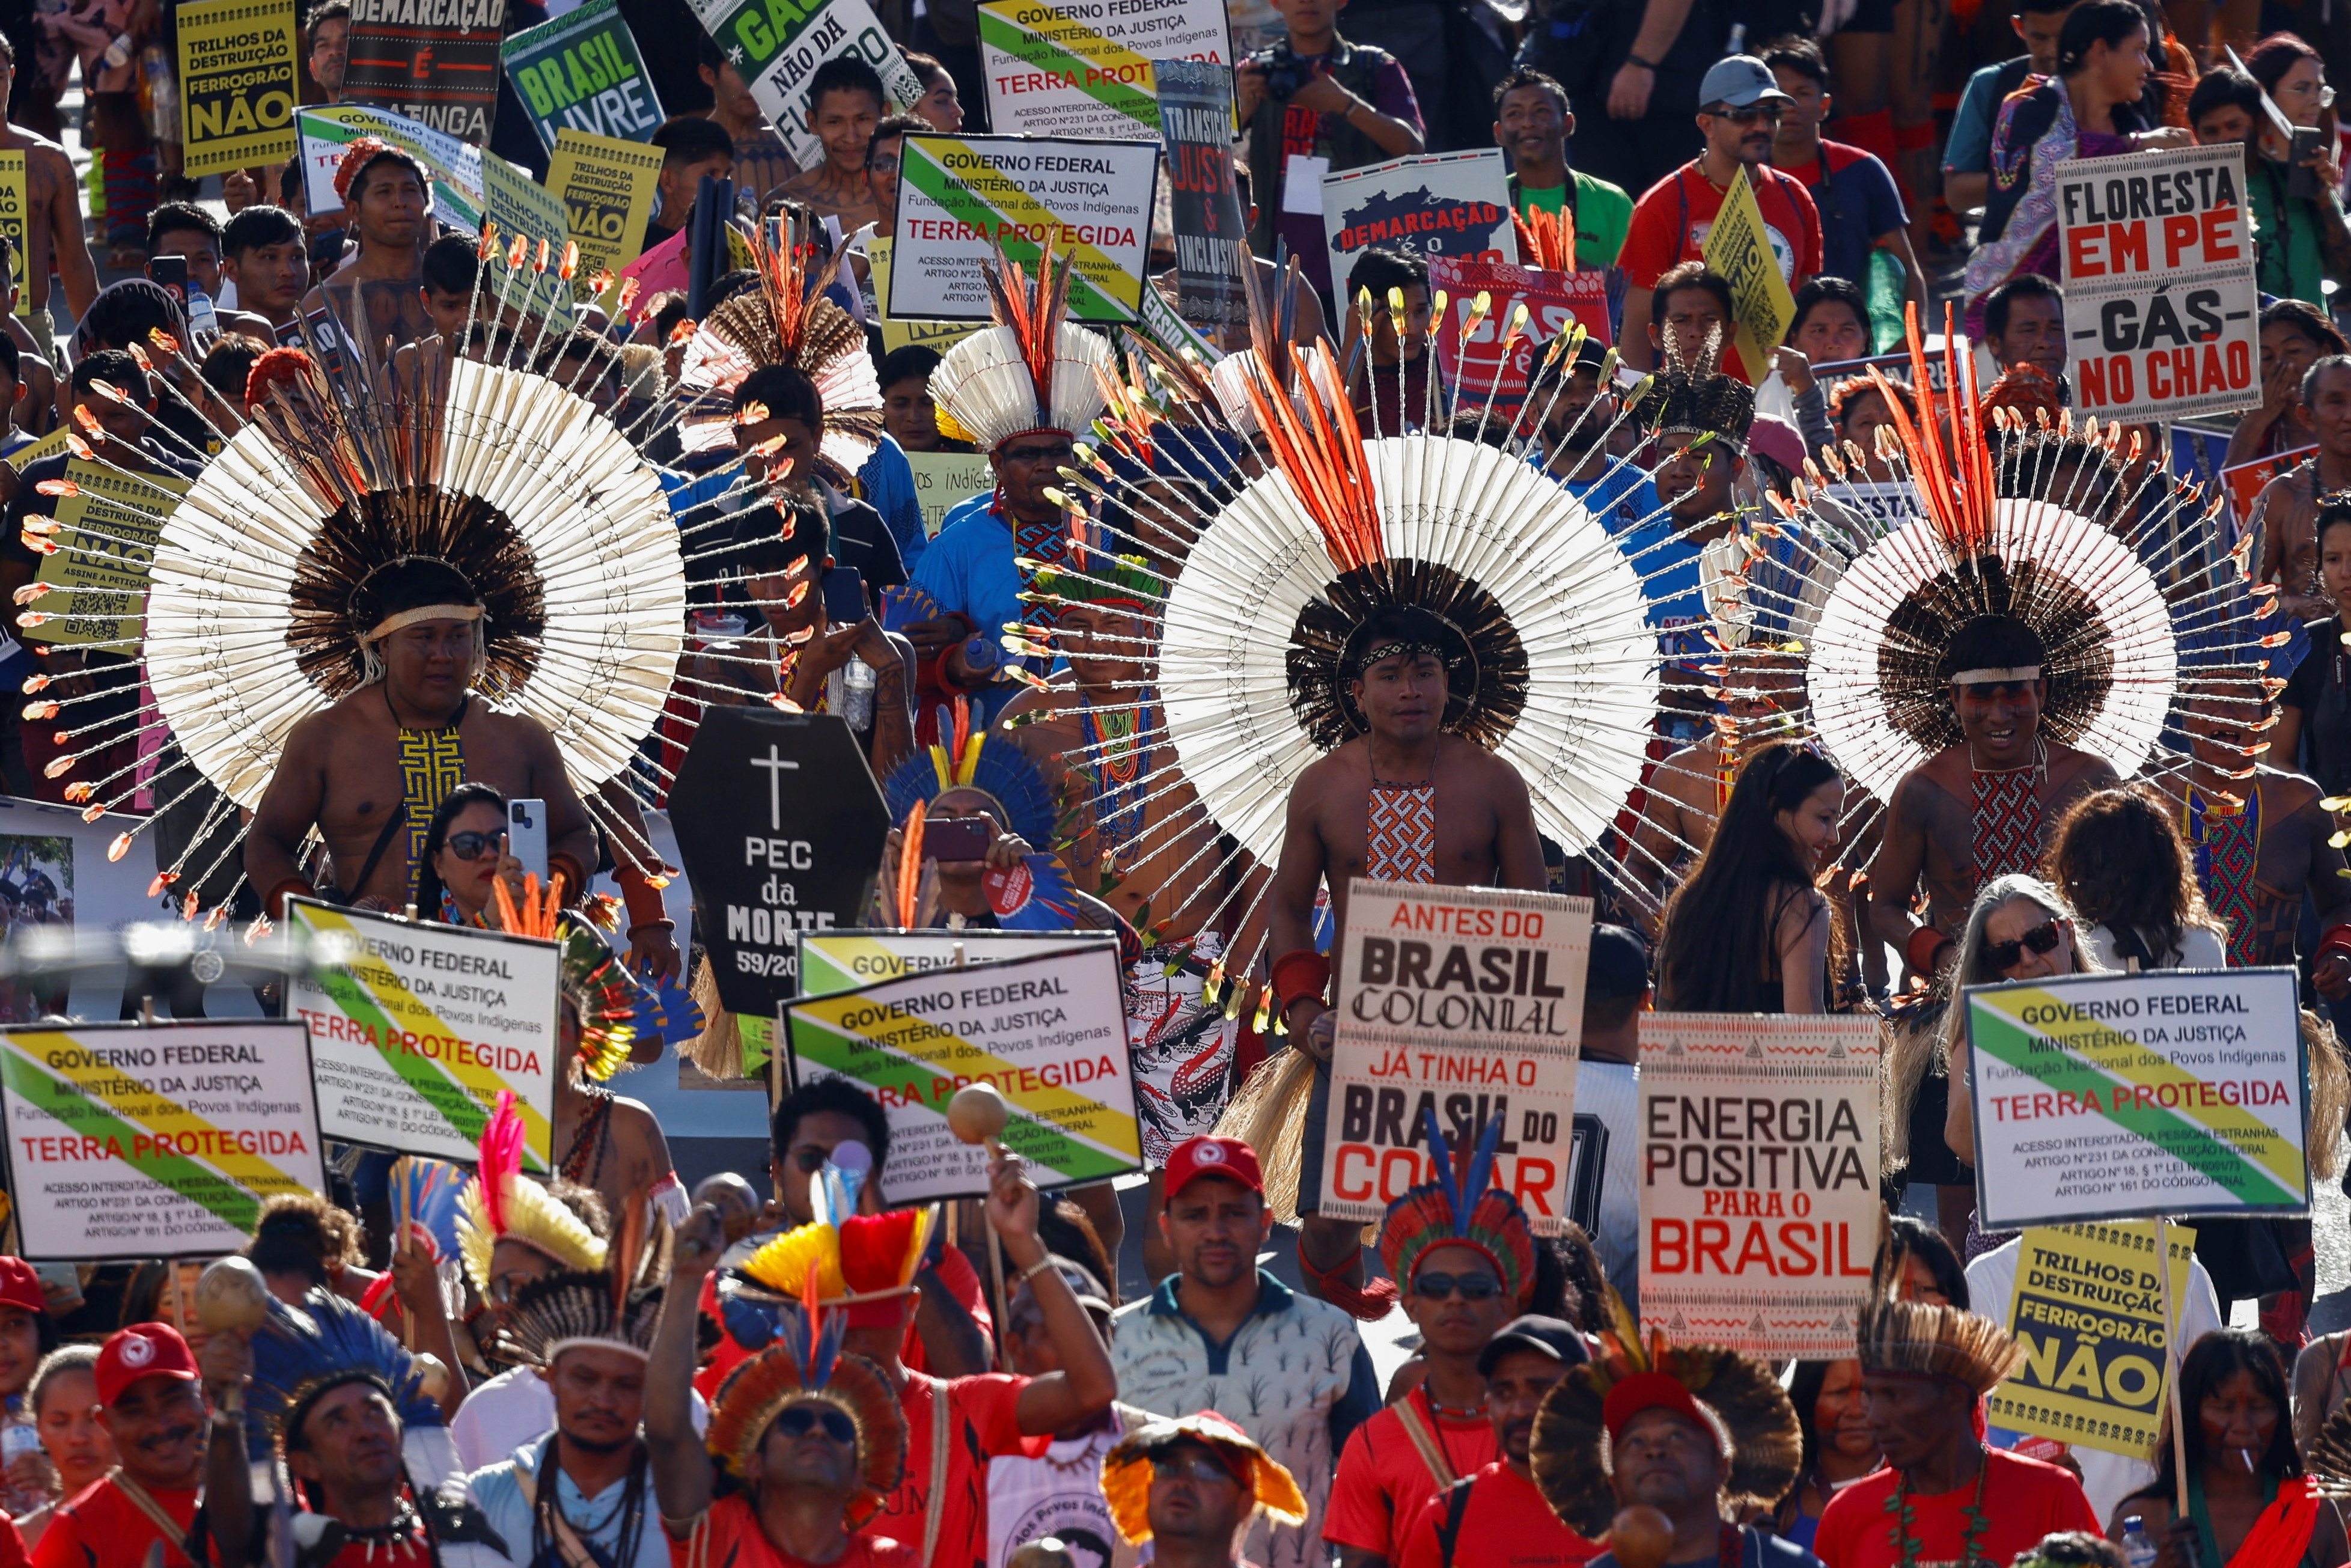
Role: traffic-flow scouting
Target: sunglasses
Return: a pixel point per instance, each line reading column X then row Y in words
column 1752, row 114
column 1199, row 1467
column 2005, row 956
column 1468, row 1287
column 1034, row 454
column 800, row 1420
column 473, row 846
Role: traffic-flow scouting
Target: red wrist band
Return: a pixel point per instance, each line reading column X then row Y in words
column 563, row 863
column 1921, row 950
column 292, row 887
column 2337, row 938
column 1300, row 976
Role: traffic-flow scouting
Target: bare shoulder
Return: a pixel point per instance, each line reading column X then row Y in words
column 1486, row 765
column 1931, row 787
column 2286, row 793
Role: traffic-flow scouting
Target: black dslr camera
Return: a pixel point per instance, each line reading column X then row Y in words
column 1285, row 73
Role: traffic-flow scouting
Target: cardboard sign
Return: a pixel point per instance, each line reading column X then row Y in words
column 456, row 167
column 1739, row 246
column 1554, row 302
column 899, row 332
column 1455, row 205
column 777, row 47
column 959, row 198
column 238, row 83
column 2120, row 1096
column 1890, row 502
column 609, row 188
column 780, row 825
column 1463, row 1002
column 943, row 478
column 2088, row 1312
column 1050, row 1032
column 2162, row 308
column 582, row 72
column 518, row 204
column 2244, row 482
column 836, row 961
column 126, row 1141
column 414, row 1034
column 1085, row 68
column 436, row 61
column 116, row 518
column 1195, row 127
column 15, row 209
column 1759, row 1178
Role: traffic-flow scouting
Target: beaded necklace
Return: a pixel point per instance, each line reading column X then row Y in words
column 1978, row 1524
column 1116, row 764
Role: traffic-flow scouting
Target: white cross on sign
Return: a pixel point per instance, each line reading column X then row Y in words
column 775, row 766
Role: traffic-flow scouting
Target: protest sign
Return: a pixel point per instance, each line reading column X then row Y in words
column 2245, row 481
column 238, row 84
column 961, row 196
column 1896, row 366
column 434, row 61
column 15, row 207
column 583, row 73
column 1554, row 302
column 1466, row 1002
column 106, row 541
column 418, row 1027
column 456, row 167
column 126, row 1141
column 1050, row 1032
column 836, row 961
column 2087, row 1310
column 608, row 187
column 778, row 47
column 1759, row 1178
column 1454, row 204
column 1890, row 502
column 2160, row 301
column 2118, row 1096
column 943, row 478
column 1195, row 127
column 519, row 205
column 781, row 826
column 899, row 332
column 1739, row 246
column 49, row 445
column 1083, row 68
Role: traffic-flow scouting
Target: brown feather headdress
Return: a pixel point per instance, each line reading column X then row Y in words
column 1915, row 1340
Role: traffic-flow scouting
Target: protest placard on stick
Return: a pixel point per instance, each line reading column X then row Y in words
column 436, row 63
column 1555, row 302
column 1759, row 1178
column 1466, row 1003
column 1082, row 67
column 1738, row 247
column 1195, row 126
column 943, row 478
column 2088, row 1310
column 583, row 73
column 959, row 198
column 778, row 47
column 842, row 960
column 238, row 84
column 106, row 538
column 1050, row 1032
column 126, row 1141
column 1454, row 204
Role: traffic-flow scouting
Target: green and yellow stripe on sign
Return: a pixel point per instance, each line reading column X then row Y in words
column 465, row 1093
column 1100, row 288
column 63, row 1074
column 2139, row 1091
column 1085, row 62
column 931, row 1063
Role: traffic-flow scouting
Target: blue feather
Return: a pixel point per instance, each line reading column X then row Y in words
column 1442, row 1156
column 666, row 1009
column 1481, row 1170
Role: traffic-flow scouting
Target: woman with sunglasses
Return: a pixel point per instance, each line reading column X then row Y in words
column 464, row 852
column 1749, row 931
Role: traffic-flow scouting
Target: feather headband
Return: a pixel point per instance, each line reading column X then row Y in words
column 501, row 1204
column 300, row 1354
column 1031, row 372
column 1466, row 1210
column 1915, row 1339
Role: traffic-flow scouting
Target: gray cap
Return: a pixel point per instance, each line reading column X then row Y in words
column 1740, row 80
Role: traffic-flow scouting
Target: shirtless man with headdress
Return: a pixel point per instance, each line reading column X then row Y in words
column 1403, row 800
column 376, row 291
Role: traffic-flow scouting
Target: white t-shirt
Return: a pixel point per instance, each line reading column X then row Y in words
column 1607, row 1200
column 2106, row 1478
column 2200, row 949
column 1060, row 1495
column 514, row 1407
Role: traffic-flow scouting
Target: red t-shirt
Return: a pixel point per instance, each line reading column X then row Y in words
column 729, row 1537
column 1672, row 217
column 2024, row 1499
column 1383, row 1482
column 983, row 1421
column 102, row 1528
column 1506, row 1524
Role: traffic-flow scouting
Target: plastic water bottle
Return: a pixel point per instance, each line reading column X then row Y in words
column 850, row 693
column 2137, row 1549
column 204, row 320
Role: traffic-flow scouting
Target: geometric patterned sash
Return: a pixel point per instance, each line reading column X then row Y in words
column 2227, row 847
column 432, row 764
column 2007, row 822
column 1401, row 833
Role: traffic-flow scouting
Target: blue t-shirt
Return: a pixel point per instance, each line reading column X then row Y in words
column 968, row 569
column 887, row 481
column 1858, row 203
column 1969, row 150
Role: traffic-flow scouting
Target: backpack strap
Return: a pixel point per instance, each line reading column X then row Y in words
column 1457, row 1508
column 934, row 1504
column 1432, row 1452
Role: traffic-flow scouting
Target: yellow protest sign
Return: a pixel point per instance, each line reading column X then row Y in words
column 897, row 333
column 15, row 213
column 32, row 452
column 607, row 185
column 1739, row 246
column 2088, row 1310
column 943, row 478
column 237, row 83
column 106, row 541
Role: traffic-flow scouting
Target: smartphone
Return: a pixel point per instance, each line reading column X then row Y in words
column 2301, row 179
column 958, row 838
column 527, row 835
column 844, row 596
column 172, row 272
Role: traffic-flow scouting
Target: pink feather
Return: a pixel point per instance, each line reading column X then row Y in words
column 501, row 1158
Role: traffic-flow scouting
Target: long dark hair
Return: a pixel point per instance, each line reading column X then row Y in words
column 2120, row 862
column 2212, row 1361
column 428, row 879
column 2107, row 22
column 1716, row 942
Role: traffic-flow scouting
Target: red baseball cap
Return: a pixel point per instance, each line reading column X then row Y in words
column 142, row 1349
column 1658, row 1391
column 1206, row 1156
column 20, row 1286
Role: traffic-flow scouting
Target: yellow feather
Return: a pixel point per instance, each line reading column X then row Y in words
column 783, row 1264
